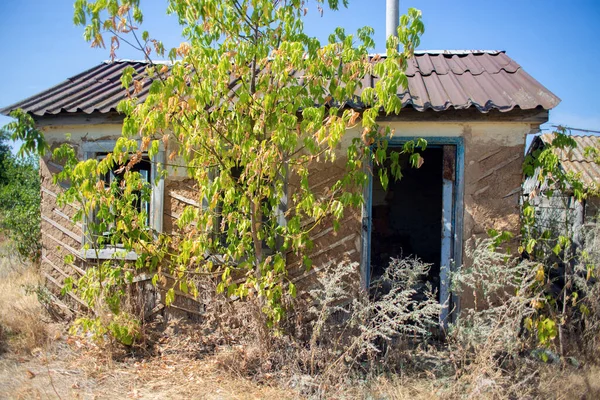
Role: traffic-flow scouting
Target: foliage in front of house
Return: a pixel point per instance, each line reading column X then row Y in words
column 233, row 114
column 249, row 103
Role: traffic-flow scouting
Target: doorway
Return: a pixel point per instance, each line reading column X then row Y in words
column 419, row 215
column 407, row 217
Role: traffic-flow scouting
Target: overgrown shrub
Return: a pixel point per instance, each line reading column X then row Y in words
column 364, row 331
column 506, row 291
column 20, row 200
column 585, row 298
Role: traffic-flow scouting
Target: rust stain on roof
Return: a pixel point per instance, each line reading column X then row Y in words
column 437, row 80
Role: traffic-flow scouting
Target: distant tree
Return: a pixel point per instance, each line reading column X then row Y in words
column 19, row 200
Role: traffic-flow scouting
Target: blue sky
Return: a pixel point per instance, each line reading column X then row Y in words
column 555, row 41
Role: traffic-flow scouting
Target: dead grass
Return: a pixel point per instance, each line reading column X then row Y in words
column 190, row 361
column 22, row 321
column 78, row 369
column 184, row 366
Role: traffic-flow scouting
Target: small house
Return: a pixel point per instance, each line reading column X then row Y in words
column 474, row 108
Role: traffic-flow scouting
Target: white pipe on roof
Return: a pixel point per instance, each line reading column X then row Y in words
column 392, row 17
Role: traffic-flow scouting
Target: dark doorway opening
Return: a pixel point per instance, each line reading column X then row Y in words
column 407, row 217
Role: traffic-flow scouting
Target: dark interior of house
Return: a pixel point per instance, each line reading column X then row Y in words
column 407, row 217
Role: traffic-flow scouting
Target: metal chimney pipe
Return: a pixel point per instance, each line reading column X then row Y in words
column 392, row 17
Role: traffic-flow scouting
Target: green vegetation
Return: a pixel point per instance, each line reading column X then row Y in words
column 241, row 143
column 564, row 255
column 20, row 200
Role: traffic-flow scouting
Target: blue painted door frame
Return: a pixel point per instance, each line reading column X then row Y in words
column 456, row 214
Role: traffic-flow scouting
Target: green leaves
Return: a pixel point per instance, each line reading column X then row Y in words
column 19, row 200
column 250, row 104
column 170, row 296
column 23, row 129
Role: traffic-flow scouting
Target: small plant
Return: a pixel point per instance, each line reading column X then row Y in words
column 121, row 328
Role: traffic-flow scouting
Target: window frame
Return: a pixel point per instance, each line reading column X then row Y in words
column 91, row 150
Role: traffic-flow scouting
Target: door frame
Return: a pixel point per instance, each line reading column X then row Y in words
column 457, row 212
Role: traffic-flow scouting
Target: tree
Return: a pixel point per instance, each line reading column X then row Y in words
column 248, row 103
column 19, row 200
column 565, row 270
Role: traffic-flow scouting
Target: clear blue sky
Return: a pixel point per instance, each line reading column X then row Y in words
column 555, row 41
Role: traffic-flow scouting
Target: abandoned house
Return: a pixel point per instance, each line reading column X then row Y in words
column 557, row 211
column 475, row 108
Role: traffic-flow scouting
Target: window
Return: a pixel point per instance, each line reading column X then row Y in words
column 154, row 208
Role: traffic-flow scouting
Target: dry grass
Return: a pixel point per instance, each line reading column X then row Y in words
column 75, row 369
column 193, row 361
column 22, row 321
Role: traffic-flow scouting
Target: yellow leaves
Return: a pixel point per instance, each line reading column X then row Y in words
column 536, row 304
column 100, row 185
column 138, row 85
column 366, row 136
column 98, row 41
column 183, row 49
column 353, row 118
column 528, row 324
column 540, row 274
column 123, row 10
column 145, row 143
column 590, row 271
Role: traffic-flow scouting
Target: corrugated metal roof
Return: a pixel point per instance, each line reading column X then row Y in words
column 437, row 80
column 574, row 160
column 571, row 160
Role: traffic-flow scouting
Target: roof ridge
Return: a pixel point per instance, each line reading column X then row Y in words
column 416, row 52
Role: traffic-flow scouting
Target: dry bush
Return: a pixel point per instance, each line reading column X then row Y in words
column 330, row 338
column 585, row 329
column 486, row 340
column 504, row 289
column 22, row 319
column 368, row 332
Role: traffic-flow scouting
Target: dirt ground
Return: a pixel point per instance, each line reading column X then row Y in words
column 40, row 360
column 72, row 370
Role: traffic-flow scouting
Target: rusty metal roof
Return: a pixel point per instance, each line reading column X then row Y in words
column 437, row 80
column 572, row 160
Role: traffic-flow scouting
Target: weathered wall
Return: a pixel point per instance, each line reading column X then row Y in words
column 494, row 154
column 60, row 236
column 330, row 248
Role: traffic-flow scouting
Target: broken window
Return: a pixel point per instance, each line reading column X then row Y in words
column 151, row 207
